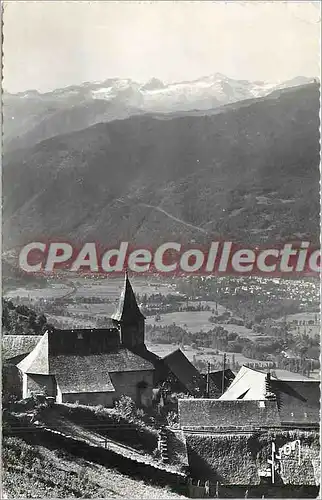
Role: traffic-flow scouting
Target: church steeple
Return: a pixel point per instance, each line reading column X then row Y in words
column 128, row 309
column 128, row 317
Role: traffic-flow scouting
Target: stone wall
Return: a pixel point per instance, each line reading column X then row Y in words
column 129, row 384
column 177, row 447
column 11, row 382
column 237, row 458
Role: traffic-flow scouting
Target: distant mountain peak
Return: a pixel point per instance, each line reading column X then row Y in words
column 153, row 84
column 31, row 116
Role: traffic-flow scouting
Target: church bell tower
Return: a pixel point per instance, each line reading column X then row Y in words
column 128, row 318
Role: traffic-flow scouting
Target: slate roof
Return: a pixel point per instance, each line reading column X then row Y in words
column 92, row 373
column 17, row 345
column 184, row 371
column 128, row 309
column 77, row 374
column 81, row 373
column 214, row 413
column 83, row 341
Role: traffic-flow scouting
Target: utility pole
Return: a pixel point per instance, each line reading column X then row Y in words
column 223, row 375
column 272, row 462
column 208, row 376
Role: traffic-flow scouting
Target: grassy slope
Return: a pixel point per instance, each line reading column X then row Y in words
column 37, row 472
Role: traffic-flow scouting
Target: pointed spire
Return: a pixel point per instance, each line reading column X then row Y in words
column 128, row 310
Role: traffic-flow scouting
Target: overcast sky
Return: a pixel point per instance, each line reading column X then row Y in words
column 54, row 44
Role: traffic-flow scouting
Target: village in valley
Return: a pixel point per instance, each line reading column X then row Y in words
column 199, row 386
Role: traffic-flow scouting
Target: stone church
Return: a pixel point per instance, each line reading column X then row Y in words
column 94, row 366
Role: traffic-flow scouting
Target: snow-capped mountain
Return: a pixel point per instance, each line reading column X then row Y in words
column 204, row 93
column 31, row 116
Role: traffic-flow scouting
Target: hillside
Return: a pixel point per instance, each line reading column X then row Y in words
column 40, row 472
column 21, row 320
column 69, row 451
column 249, row 173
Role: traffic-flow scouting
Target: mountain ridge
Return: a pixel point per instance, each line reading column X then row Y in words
column 247, row 173
column 32, row 116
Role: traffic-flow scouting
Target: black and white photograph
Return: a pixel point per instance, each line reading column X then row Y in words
column 160, row 249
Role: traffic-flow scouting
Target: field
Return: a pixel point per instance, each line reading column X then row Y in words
column 101, row 309
column 69, row 322
column 303, row 327
column 109, row 288
column 196, row 321
column 47, row 293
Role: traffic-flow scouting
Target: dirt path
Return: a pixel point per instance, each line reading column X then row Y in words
column 161, row 210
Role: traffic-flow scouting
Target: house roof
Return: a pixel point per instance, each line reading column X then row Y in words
column 298, row 401
column 185, row 372
column 128, row 309
column 248, row 384
column 17, row 345
column 216, row 378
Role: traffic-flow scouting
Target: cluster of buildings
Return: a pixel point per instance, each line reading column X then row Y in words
column 97, row 366
column 245, row 428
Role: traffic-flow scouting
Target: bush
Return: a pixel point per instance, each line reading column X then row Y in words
column 126, row 408
column 172, row 419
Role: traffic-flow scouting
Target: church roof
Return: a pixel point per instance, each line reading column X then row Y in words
column 17, row 345
column 128, row 309
column 79, row 372
column 91, row 373
column 37, row 361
